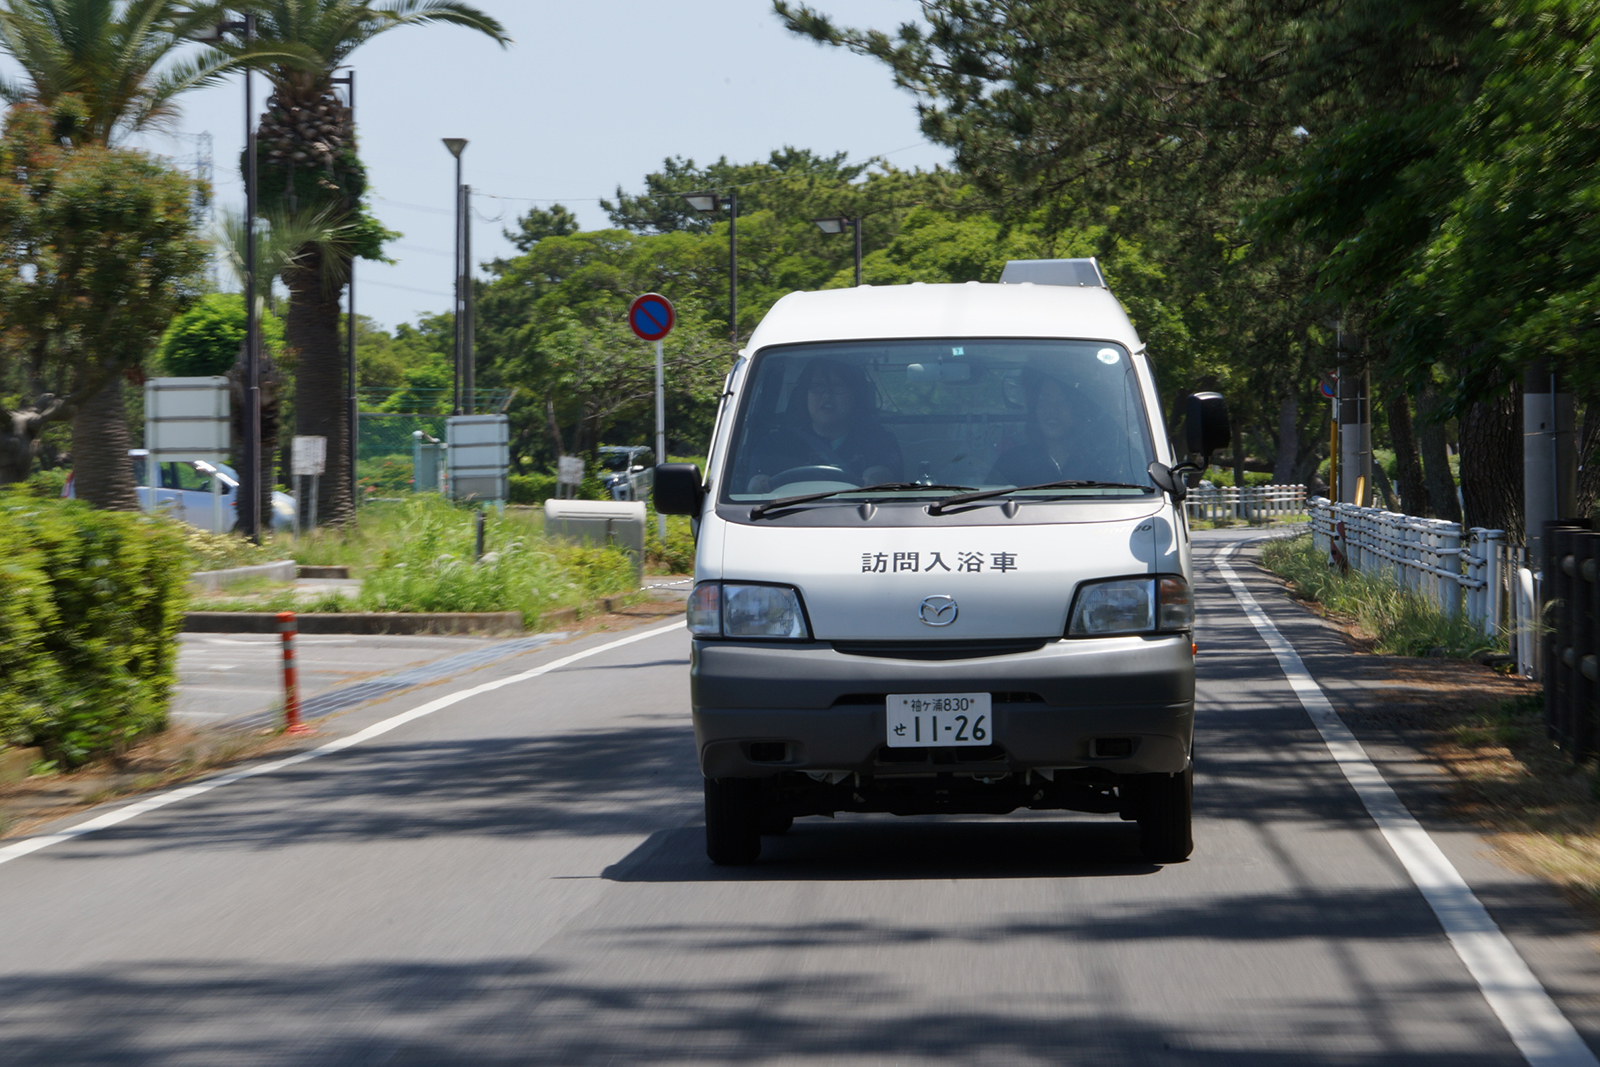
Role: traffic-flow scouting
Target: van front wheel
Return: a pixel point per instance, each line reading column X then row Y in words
column 733, row 820
column 1164, row 804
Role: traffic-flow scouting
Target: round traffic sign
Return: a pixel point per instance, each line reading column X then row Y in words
column 651, row 317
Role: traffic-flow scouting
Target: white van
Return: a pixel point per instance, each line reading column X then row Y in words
column 942, row 563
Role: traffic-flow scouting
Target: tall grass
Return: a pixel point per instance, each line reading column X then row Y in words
column 427, row 565
column 1401, row 622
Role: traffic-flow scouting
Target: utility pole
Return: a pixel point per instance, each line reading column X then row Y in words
column 354, row 408
column 250, row 477
column 469, row 367
column 1355, row 428
column 457, row 145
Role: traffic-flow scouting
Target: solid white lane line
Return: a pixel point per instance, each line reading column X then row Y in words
column 1536, row 1025
column 377, row 729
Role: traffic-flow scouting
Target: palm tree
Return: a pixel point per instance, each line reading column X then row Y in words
column 307, row 161
column 102, row 69
column 106, row 54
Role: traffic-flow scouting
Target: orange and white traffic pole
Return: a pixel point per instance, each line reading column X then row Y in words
column 291, row 678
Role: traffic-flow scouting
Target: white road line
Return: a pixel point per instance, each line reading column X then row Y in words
column 1536, row 1025
column 377, row 729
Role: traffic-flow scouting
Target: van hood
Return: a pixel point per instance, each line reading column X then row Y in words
column 1007, row 581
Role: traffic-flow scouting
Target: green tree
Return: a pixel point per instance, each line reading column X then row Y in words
column 308, row 162
column 207, row 338
column 98, row 252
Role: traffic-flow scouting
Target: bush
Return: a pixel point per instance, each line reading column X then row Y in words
column 1402, row 622
column 90, row 604
column 532, row 488
column 675, row 554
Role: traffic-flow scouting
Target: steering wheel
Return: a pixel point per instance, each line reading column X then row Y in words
column 809, row 474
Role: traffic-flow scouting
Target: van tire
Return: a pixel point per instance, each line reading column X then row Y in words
column 733, row 820
column 1165, row 806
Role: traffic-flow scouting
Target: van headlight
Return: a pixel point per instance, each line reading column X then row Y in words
column 738, row 609
column 1132, row 606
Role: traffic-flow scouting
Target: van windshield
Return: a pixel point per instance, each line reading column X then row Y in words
column 981, row 413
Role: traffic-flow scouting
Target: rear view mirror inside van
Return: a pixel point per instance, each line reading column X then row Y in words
column 938, row 372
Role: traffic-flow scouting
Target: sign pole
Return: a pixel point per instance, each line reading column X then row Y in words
column 661, row 429
column 651, row 317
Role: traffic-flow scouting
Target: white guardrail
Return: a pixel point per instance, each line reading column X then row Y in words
column 1482, row 575
column 1253, row 503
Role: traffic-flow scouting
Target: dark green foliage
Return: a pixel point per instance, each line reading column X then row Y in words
column 206, row 338
column 90, row 604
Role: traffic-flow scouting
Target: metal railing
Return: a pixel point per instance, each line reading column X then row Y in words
column 1253, row 503
column 1478, row 575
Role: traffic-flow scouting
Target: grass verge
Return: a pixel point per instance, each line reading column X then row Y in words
column 1396, row 621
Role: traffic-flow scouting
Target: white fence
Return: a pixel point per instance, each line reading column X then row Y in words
column 1253, row 503
column 1481, row 575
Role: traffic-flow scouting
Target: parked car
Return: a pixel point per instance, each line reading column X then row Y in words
column 628, row 475
column 185, row 493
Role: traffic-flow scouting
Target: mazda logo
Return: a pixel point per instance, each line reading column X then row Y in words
column 938, row 610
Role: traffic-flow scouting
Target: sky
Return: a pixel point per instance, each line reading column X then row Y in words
column 589, row 96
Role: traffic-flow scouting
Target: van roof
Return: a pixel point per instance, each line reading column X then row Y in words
column 972, row 309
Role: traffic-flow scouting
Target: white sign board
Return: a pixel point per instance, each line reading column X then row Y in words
column 309, row 455
column 478, row 456
column 188, row 419
column 569, row 470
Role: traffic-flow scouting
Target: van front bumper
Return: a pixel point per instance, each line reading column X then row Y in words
column 763, row 709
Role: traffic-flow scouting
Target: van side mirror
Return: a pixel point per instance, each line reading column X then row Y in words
column 1207, row 424
column 678, row 489
column 1169, row 481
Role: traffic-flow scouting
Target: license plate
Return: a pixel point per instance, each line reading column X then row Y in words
column 944, row 719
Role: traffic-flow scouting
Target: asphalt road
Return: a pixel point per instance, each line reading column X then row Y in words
column 519, row 878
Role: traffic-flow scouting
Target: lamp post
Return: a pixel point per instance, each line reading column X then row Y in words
column 707, row 203
column 457, row 145
column 354, row 409
column 836, row 225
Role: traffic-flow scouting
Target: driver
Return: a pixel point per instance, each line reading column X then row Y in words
column 831, row 422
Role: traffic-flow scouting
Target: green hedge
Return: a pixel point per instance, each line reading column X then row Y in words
column 90, row 604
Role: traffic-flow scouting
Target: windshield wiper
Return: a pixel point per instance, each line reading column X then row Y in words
column 989, row 494
column 882, row 487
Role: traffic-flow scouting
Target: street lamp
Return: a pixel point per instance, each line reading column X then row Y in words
column 707, row 203
column 836, row 225
column 457, row 145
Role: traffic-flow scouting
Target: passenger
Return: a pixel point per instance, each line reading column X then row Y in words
column 832, row 422
column 1053, row 449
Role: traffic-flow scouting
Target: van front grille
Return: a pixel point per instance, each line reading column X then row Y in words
column 935, row 650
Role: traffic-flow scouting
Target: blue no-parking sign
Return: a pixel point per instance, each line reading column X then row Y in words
column 651, row 317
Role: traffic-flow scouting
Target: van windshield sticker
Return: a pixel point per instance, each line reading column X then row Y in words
column 911, row 562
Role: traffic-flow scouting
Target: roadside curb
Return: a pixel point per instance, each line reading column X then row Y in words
column 282, row 570
column 356, row 622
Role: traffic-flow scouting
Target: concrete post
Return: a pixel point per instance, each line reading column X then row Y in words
column 1549, row 455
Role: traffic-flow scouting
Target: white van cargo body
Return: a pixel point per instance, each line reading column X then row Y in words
column 942, row 563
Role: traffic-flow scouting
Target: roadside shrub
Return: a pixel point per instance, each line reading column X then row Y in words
column 92, row 603
column 532, row 488
column 1401, row 622
column 675, row 553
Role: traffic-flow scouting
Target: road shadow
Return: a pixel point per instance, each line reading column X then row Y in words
column 636, row 1010
column 820, row 850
